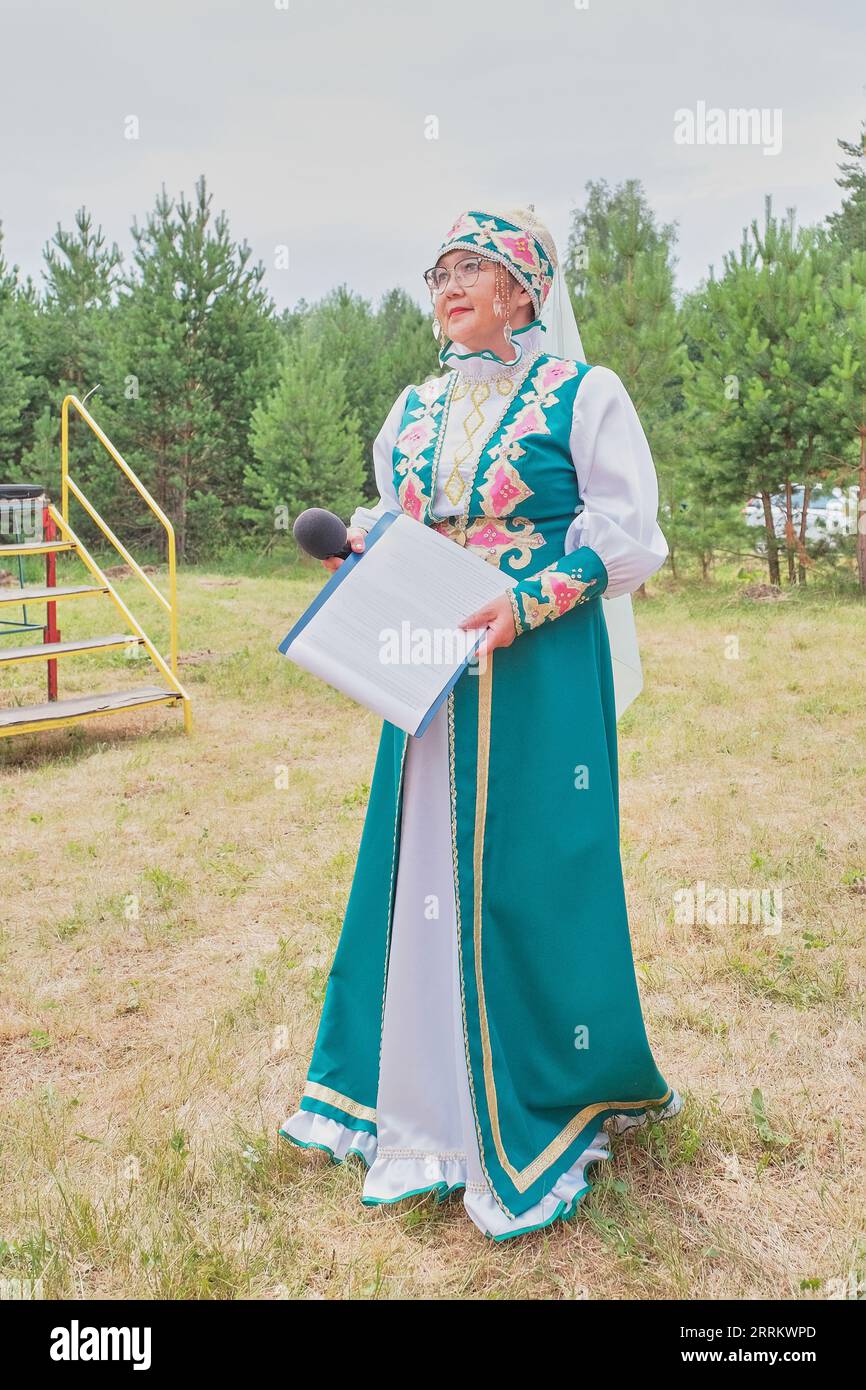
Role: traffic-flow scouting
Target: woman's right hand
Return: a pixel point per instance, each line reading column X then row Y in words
column 356, row 536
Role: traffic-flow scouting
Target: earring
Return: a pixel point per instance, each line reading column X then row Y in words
column 497, row 302
column 437, row 327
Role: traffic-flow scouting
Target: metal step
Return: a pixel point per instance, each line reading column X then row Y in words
column 34, row 595
column 34, row 547
column 43, row 650
column 59, row 712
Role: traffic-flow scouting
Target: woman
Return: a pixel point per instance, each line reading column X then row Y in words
column 482, row 1021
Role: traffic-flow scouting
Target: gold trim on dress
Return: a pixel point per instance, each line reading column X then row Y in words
column 515, row 612
column 442, row 424
column 453, row 786
column 455, row 486
column 316, row 1091
column 522, row 1178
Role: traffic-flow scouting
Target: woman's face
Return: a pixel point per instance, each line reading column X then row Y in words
column 466, row 311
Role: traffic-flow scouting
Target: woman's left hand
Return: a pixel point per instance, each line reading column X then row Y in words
column 499, row 620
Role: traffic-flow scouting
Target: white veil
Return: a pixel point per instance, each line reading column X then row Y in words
column 562, row 338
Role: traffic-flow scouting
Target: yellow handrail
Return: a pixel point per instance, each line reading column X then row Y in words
column 100, row 575
column 68, row 485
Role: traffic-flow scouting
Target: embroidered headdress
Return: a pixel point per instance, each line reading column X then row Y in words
column 517, row 239
column 519, row 242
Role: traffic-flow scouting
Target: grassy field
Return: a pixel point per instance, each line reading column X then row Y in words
column 170, row 908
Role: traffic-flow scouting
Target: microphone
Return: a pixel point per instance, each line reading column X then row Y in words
column 322, row 534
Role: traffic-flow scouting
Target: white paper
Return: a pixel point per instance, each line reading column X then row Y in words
column 388, row 635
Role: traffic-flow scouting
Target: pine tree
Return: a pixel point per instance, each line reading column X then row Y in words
column 848, row 226
column 760, row 344
column 845, row 388
column 66, row 332
column 196, row 347
column 82, row 276
column 619, row 267
column 306, row 441
column 17, row 383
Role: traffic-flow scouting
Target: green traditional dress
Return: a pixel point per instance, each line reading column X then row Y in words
column 482, row 1021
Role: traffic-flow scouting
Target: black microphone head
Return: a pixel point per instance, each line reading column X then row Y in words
column 320, row 533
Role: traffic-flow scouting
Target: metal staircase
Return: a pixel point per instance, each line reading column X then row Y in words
column 58, row 537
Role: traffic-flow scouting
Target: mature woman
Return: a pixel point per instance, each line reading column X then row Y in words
column 482, row 1021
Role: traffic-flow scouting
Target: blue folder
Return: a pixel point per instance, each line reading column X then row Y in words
column 340, row 573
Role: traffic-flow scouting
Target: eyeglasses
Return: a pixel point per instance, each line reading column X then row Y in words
column 465, row 272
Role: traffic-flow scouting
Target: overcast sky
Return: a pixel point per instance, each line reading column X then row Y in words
column 312, row 119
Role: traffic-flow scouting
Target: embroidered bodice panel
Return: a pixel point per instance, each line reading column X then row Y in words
column 483, row 454
column 558, row 462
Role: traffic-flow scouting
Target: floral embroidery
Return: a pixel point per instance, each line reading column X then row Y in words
column 532, row 416
column 487, row 523
column 411, row 496
column 493, row 539
column 411, row 448
column 552, row 373
column 502, row 489
column 556, row 593
column 431, row 389
column 519, row 248
column 413, row 440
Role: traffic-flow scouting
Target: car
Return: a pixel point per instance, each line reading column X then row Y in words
column 829, row 512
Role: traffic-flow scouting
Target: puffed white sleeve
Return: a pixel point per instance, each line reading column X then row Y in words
column 618, row 484
column 383, row 469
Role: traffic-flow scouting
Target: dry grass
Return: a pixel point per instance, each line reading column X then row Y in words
column 170, row 909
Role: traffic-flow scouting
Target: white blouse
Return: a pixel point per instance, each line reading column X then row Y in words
column 612, row 460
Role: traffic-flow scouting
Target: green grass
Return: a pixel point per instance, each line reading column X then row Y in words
column 171, row 907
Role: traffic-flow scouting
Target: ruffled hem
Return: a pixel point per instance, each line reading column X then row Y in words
column 394, row 1174
column 622, row 1121
column 398, row 1173
column 310, row 1130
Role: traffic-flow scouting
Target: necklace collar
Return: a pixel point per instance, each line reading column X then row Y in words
column 486, row 364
